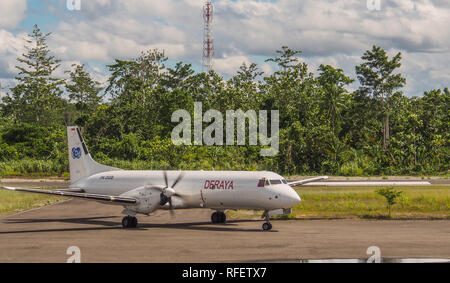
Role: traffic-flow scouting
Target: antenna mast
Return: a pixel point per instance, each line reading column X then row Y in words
column 208, row 42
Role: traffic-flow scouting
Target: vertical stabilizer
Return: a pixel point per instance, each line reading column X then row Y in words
column 80, row 161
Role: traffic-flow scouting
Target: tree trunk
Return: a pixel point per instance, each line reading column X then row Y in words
column 386, row 129
column 415, row 149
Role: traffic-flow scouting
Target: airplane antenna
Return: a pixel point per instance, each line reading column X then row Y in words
column 208, row 41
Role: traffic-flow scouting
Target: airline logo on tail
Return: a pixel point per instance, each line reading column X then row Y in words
column 76, row 153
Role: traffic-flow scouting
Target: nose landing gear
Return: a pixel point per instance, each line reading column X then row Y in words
column 129, row 222
column 267, row 226
column 218, row 217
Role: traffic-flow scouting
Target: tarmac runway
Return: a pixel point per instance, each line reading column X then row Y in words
column 45, row 234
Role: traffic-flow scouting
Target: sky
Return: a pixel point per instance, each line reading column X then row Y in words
column 334, row 32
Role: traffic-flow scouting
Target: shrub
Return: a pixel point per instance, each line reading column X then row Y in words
column 7, row 152
column 391, row 196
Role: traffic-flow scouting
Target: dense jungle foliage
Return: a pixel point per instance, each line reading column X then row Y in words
column 325, row 128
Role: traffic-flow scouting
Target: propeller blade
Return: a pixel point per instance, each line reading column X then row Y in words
column 180, row 177
column 172, row 212
column 168, row 192
column 165, row 179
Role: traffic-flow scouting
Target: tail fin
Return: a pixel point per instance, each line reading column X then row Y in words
column 80, row 161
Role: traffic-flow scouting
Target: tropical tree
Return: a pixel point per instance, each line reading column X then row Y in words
column 134, row 88
column 37, row 96
column 83, row 90
column 378, row 80
column 334, row 94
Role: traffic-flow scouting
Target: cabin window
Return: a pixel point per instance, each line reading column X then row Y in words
column 284, row 181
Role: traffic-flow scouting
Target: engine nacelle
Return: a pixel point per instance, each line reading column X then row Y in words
column 148, row 199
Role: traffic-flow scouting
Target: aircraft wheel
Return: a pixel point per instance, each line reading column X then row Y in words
column 215, row 218
column 223, row 217
column 129, row 222
column 218, row 217
column 134, row 223
column 267, row 227
column 125, row 222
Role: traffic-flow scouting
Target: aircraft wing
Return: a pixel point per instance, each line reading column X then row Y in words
column 303, row 182
column 72, row 194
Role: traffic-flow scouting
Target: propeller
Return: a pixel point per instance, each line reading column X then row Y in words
column 168, row 191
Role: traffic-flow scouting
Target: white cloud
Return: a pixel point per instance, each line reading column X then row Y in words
column 267, row 69
column 318, row 28
column 332, row 27
column 424, row 71
column 5, row 85
column 12, row 12
column 229, row 65
column 3, row 89
column 113, row 29
column 11, row 47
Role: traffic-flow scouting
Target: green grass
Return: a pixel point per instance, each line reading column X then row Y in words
column 362, row 202
column 14, row 202
column 32, row 168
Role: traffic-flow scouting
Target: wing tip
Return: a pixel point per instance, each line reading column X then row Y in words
column 8, row 188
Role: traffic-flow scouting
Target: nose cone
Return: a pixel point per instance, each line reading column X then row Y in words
column 290, row 198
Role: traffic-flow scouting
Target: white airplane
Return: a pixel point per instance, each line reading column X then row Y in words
column 143, row 192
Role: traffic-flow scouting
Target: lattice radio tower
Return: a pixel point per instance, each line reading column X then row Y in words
column 208, row 41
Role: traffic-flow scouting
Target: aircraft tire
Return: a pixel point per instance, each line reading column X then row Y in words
column 125, row 222
column 267, row 227
column 215, row 218
column 129, row 222
column 222, row 217
column 134, row 223
column 218, row 217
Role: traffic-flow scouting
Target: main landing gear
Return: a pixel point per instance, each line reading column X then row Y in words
column 266, row 226
column 218, row 217
column 129, row 222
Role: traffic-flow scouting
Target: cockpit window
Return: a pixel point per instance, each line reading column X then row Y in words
column 267, row 183
column 261, row 183
column 275, row 182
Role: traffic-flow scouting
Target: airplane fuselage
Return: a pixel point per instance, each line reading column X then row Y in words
column 143, row 192
column 219, row 190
